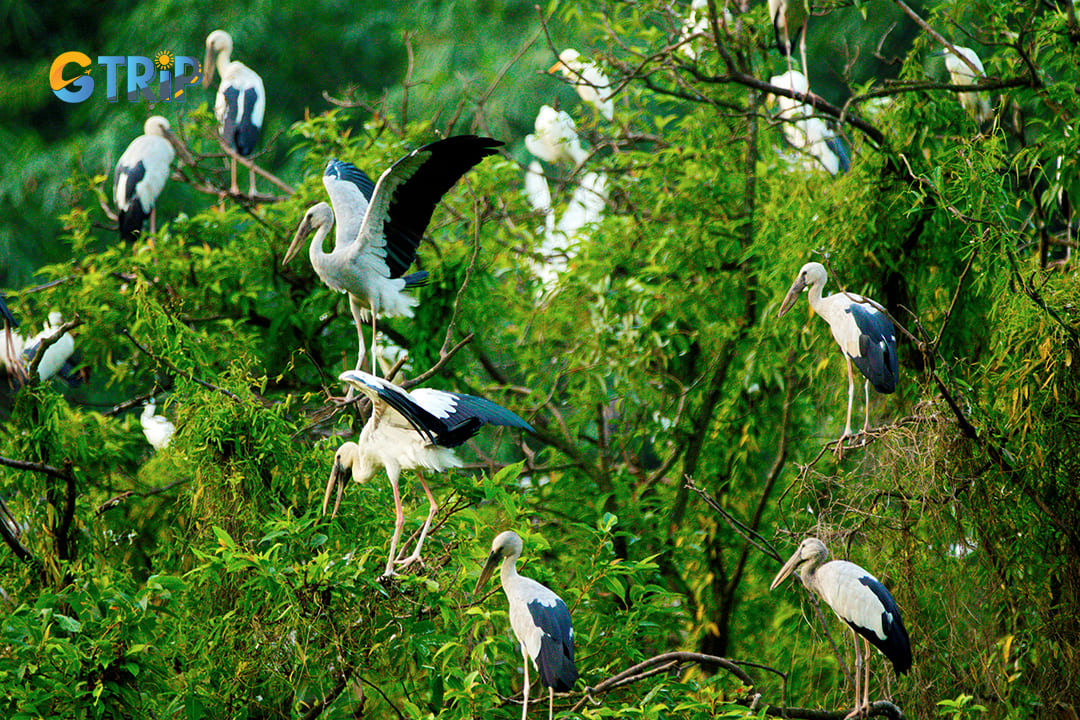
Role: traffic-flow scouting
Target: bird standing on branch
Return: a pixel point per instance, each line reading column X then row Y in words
column 240, row 103
column 410, row 430
column 539, row 618
column 861, row 601
column 865, row 334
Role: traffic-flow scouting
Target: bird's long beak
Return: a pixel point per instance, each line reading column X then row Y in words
column 208, row 67
column 792, row 295
column 335, row 478
column 301, row 234
column 489, row 567
column 560, row 65
column 788, row 568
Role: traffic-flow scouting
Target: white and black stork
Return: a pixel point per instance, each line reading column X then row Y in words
column 410, row 430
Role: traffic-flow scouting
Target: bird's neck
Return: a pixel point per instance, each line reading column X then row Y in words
column 223, row 62
column 315, row 249
column 815, row 296
column 508, row 572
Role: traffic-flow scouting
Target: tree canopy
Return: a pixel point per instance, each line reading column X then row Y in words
column 685, row 436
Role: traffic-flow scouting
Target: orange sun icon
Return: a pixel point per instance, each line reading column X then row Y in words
column 163, row 60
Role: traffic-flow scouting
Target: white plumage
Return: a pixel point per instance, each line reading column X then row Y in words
column 157, row 428
column 589, row 81
column 539, row 618
column 140, row 176
column 975, row 104
column 861, row 601
column 864, row 333
column 240, row 103
column 556, row 137
column 382, row 225
column 806, row 133
column 409, row 430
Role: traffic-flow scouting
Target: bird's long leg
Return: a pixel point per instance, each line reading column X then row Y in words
column 866, row 679
column 802, row 51
column 551, row 702
column 251, row 178
column 153, row 219
column 866, row 404
column 858, row 676
column 373, row 335
column 399, row 522
column 433, row 508
column 525, row 689
column 233, row 187
column 357, row 311
column 850, row 397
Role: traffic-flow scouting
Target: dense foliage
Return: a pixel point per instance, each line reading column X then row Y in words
column 684, row 435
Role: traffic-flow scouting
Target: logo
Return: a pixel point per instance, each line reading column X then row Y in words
column 163, row 78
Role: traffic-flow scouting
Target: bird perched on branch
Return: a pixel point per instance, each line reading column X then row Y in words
column 807, row 133
column 240, row 103
column 410, row 430
column 865, row 334
column 975, row 104
column 157, row 428
column 590, row 82
column 140, row 176
column 861, row 601
column 539, row 618
column 556, row 137
column 380, row 226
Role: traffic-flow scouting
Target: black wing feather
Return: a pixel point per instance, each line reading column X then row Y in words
column 132, row 216
column 896, row 646
column 415, row 199
column 555, row 660
column 877, row 359
column 247, row 132
column 350, row 173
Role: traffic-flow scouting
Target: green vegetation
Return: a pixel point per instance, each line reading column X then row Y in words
column 684, row 440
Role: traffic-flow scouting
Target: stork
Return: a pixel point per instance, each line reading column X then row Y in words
column 240, row 103
column 861, row 601
column 380, row 229
column 788, row 17
column 539, row 618
column 589, row 81
column 140, row 176
column 410, row 430
column 975, row 104
column 556, row 137
column 806, row 133
column 865, row 334
column 157, row 428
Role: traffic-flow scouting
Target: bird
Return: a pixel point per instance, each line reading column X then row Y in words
column 240, row 103
column 410, row 430
column 788, row 18
column 140, row 176
column 865, row 334
column 55, row 359
column 369, row 263
column 589, row 81
column 157, row 428
column 807, row 133
column 556, row 137
column 861, row 601
column 539, row 618
column 975, row 104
